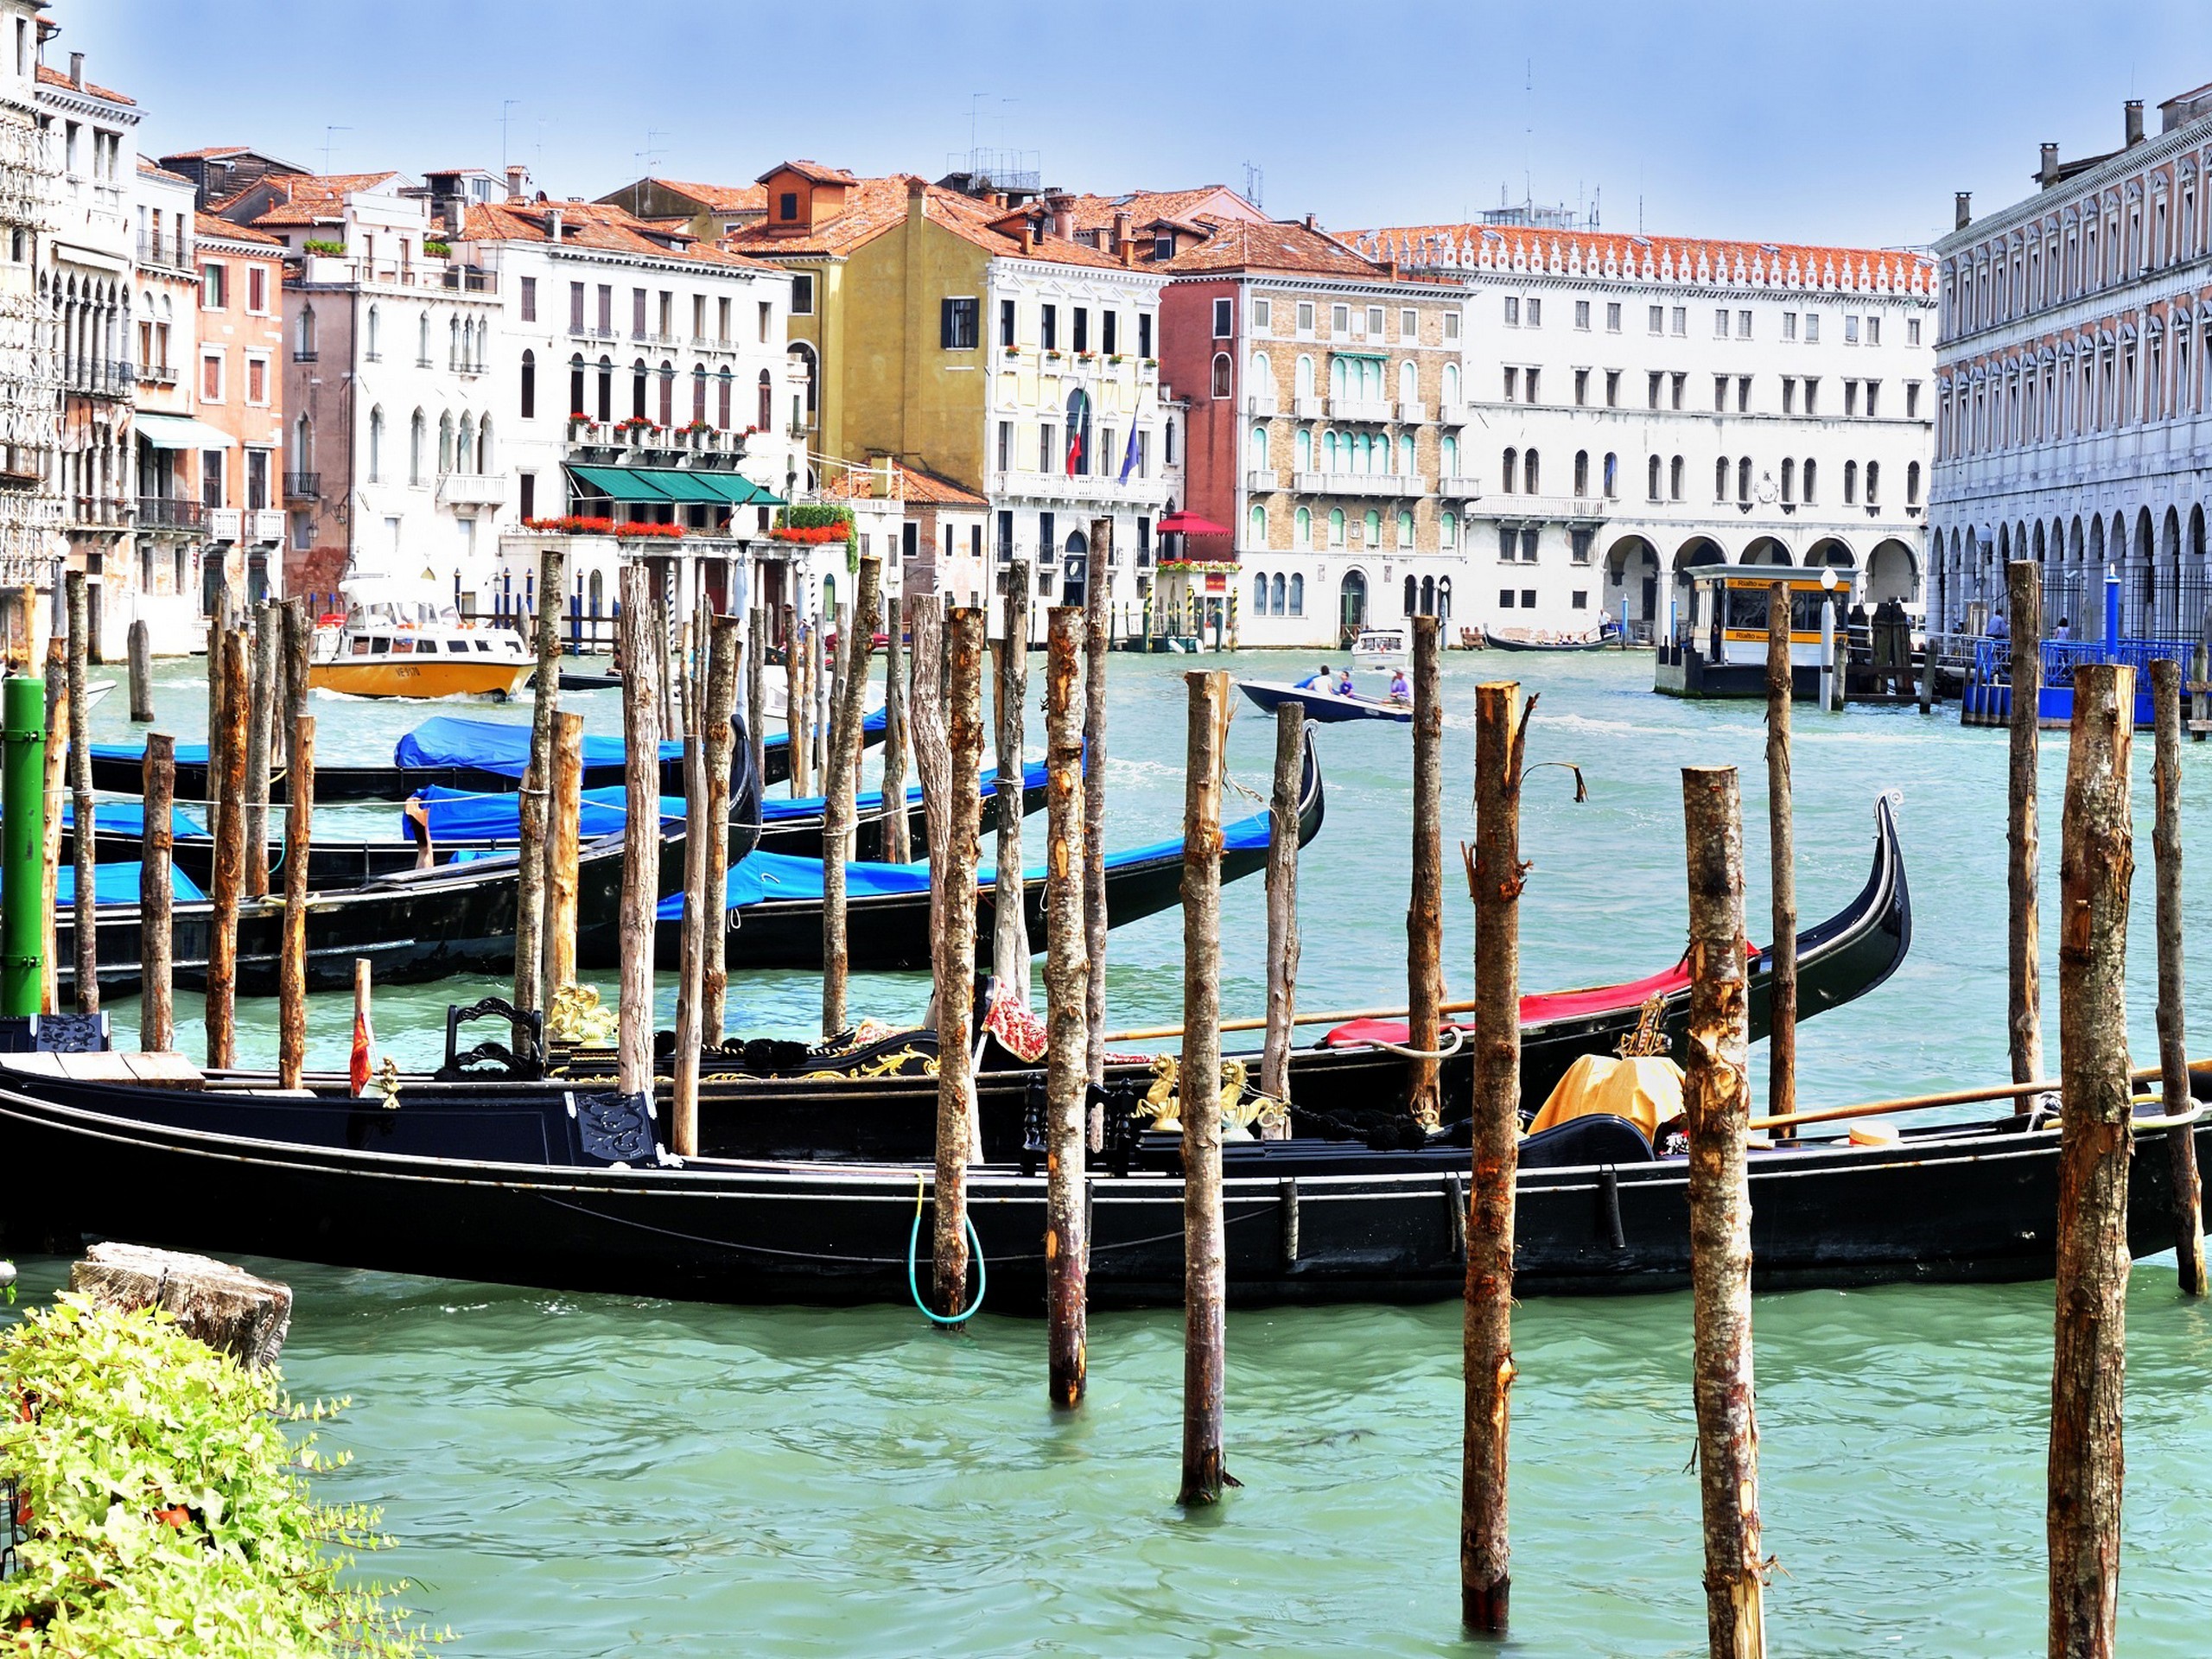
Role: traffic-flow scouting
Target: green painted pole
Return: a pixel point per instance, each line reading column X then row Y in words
column 23, row 842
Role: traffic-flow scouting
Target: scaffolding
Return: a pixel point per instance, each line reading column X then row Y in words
column 30, row 508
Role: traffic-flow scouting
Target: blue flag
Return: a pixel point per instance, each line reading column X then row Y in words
column 1129, row 458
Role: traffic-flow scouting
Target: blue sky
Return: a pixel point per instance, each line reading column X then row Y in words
column 1788, row 122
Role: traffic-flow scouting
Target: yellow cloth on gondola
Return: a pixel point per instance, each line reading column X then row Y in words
column 1647, row 1090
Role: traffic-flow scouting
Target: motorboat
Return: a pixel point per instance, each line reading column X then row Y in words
column 404, row 639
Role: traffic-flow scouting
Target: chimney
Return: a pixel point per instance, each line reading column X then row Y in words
column 1062, row 207
column 918, row 201
column 1029, row 236
column 1961, row 210
column 518, row 181
column 2048, row 173
column 553, row 226
column 1120, row 229
column 1310, row 224
column 77, row 72
column 2133, row 109
column 1390, row 270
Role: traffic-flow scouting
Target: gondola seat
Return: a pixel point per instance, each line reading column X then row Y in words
column 1599, row 1138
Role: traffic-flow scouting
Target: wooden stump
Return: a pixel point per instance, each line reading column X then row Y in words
column 955, row 948
column 795, row 680
column 230, row 861
column 2173, row 1048
column 1716, row 1102
column 530, row 990
column 690, row 981
column 1424, row 914
column 262, row 706
column 1095, row 626
column 564, row 839
column 756, row 695
column 723, row 647
column 1010, row 910
column 1205, row 1270
column 224, row 1306
column 292, row 961
column 1781, row 1027
column 142, row 671
column 2096, row 1142
column 157, row 1016
column 1282, row 905
column 1067, row 981
column 1497, row 876
column 2023, row 835
column 643, row 655
column 853, row 642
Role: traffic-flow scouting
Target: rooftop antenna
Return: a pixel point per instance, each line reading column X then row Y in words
column 651, row 149
column 974, row 142
column 506, row 108
column 1529, row 124
column 328, row 134
column 1255, row 184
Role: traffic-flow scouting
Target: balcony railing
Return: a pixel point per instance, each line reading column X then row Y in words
column 156, row 374
column 99, row 512
column 1059, row 487
column 302, row 486
column 264, row 524
column 1569, row 507
column 1457, row 487
column 1391, row 484
column 92, row 379
column 1262, row 480
column 469, row 279
column 1259, row 403
column 164, row 253
column 1451, row 414
column 472, row 489
column 223, row 524
column 1306, row 406
column 170, row 513
column 1359, row 409
column 304, row 355
column 1412, row 411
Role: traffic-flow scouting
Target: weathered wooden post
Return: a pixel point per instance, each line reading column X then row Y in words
column 1781, row 1027
column 1717, row 1101
column 958, row 787
column 142, row 671
column 722, row 648
column 641, row 658
column 563, row 836
column 157, row 1020
column 1926, row 664
column 1009, row 909
column 219, row 624
column 2023, row 835
column 897, row 831
column 1497, row 876
column 299, row 644
column 229, row 860
column 756, row 694
column 2173, row 1050
column 2096, row 862
column 85, row 841
column 795, row 700
column 1425, row 915
column 852, row 641
column 690, row 984
column 531, row 991
column 263, row 707
column 292, row 960
column 1067, row 991
column 932, row 757
column 1206, row 1260
column 1095, row 626
column 2200, row 689
column 1282, row 904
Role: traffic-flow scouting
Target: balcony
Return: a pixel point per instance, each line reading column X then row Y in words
column 1261, row 403
column 307, row 356
column 156, row 374
column 1392, row 484
column 1452, row 487
column 170, row 513
column 1451, row 414
column 472, row 489
column 469, row 279
column 264, row 524
column 1567, row 508
column 1412, row 411
column 224, row 524
column 1262, row 481
column 99, row 512
column 164, row 253
column 302, row 486
column 90, row 379
column 1306, row 406
column 1057, row 487
column 1359, row 409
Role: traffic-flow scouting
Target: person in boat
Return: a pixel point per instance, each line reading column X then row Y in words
column 2065, row 629
column 1998, row 627
column 1316, row 682
column 1344, row 683
column 1401, row 690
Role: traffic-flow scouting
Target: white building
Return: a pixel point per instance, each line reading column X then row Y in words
column 1634, row 406
column 2072, row 402
column 29, row 397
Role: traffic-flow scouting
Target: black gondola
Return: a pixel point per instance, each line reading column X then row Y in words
column 566, row 1190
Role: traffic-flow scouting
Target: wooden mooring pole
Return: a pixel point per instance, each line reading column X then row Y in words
column 958, row 768
column 854, row 637
column 1782, row 1027
column 2173, row 1051
column 262, row 709
column 1497, row 876
column 1095, row 628
column 1206, row 1261
column 2096, row 862
column 1282, row 905
column 932, row 760
column 563, row 838
column 898, row 828
column 142, row 671
column 1424, row 913
column 230, row 858
column 723, row 645
column 756, row 694
column 156, row 1014
column 531, row 993
column 1717, row 1100
column 2022, row 833
column 699, row 912
column 84, row 842
column 1067, row 987
column 643, row 651
column 795, row 695
column 292, row 960
column 1010, row 921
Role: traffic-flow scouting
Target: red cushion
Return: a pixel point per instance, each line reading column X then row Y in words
column 1536, row 1009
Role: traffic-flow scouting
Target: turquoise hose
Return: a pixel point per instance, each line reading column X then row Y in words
column 913, row 1248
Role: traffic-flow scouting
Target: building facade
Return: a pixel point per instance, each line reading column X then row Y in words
column 237, row 372
column 30, row 518
column 2071, row 385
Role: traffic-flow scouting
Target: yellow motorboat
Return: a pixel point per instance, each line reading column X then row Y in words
column 405, row 640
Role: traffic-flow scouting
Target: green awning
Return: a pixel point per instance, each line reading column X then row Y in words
column 673, row 484
column 621, row 483
column 1364, row 356
column 684, row 485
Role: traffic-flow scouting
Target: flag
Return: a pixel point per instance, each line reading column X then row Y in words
column 1129, row 458
column 364, row 1040
column 1078, row 429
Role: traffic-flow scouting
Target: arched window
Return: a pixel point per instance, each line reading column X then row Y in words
column 1743, row 479
column 1789, row 480
column 1303, row 524
column 1509, row 472
column 376, row 445
column 640, row 393
column 1370, row 529
column 606, row 388
column 699, row 393
column 1451, row 383
column 1406, row 467
column 1850, row 483
column 1447, row 457
column 464, row 455
column 1221, row 374
column 1413, row 596
column 1336, row 526
column 1360, row 453
column 1810, row 494
column 1612, row 478
column 1447, row 531
column 805, row 354
column 1405, row 527
column 422, row 342
column 1720, row 479
column 1529, row 473
column 1328, row 452
column 1582, row 472
column 1297, row 595
column 529, row 383
column 1408, row 383
column 303, row 444
column 303, row 339
column 1278, row 595
column 1912, row 484
column 445, row 442
column 667, row 393
column 1873, row 483
column 1429, row 595
column 454, row 355
column 1260, row 376
column 375, row 351
column 1654, row 470
column 483, row 446
column 1303, row 380
column 1257, row 525
column 418, row 431
column 1674, row 479
column 576, row 387
column 1443, row 600
column 1258, row 448
column 1335, row 377
column 1259, row 595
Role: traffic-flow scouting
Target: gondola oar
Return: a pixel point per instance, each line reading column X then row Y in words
column 1948, row 1097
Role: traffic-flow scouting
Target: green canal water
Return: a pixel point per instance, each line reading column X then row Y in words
column 572, row 1475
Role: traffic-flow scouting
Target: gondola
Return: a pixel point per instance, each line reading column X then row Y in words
column 1506, row 642
column 779, row 900
column 484, row 756
column 1326, row 707
column 566, row 1190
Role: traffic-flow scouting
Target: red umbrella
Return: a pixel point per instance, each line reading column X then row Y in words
column 1189, row 523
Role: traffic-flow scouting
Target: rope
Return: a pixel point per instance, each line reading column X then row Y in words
column 1457, row 1036
column 975, row 1246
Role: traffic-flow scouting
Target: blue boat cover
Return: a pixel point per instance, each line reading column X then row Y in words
column 765, row 876
column 461, row 815
column 811, row 806
column 117, row 884
column 188, row 754
column 503, row 746
column 128, row 818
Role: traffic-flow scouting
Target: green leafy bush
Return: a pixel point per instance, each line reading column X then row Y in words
column 324, row 245
column 821, row 516
column 163, row 1505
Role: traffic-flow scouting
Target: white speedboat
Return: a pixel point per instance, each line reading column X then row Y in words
column 403, row 639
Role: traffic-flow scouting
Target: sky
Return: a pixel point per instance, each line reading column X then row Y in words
column 1803, row 122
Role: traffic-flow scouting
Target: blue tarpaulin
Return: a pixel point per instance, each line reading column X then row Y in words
column 503, row 746
column 461, row 814
column 117, row 884
column 188, row 754
column 811, row 806
column 128, row 818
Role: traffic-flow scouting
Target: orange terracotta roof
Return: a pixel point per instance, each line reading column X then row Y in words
column 590, row 225
column 875, row 205
column 813, row 170
column 1278, row 244
column 1097, row 213
column 209, row 228
column 1649, row 259
column 918, row 486
column 48, row 76
column 719, row 198
column 206, row 152
column 314, row 198
column 147, row 170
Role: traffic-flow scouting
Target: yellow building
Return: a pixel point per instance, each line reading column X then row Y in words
column 973, row 338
